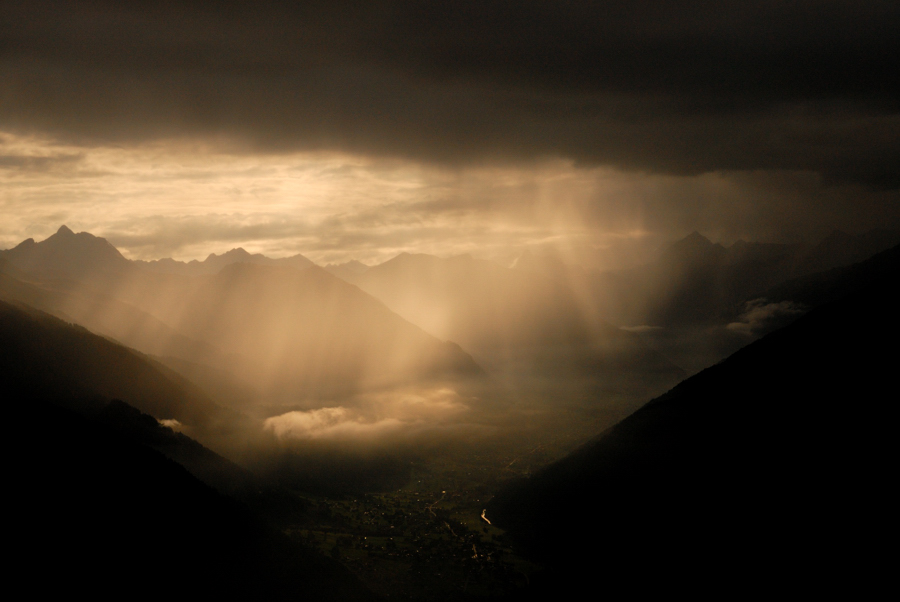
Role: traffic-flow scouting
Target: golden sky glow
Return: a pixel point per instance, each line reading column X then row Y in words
column 187, row 198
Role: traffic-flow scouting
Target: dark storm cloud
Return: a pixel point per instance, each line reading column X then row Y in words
column 685, row 87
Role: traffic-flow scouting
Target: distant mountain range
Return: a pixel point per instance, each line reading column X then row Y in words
column 66, row 253
column 79, row 254
column 347, row 270
column 213, row 263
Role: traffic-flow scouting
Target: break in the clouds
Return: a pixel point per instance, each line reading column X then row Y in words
column 362, row 129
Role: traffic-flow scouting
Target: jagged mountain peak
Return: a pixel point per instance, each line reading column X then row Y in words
column 67, row 252
column 694, row 247
column 694, row 239
column 233, row 253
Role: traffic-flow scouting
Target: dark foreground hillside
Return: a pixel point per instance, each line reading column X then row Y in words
column 96, row 504
column 101, row 515
column 772, row 469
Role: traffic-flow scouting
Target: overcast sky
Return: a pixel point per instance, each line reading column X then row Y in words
column 361, row 129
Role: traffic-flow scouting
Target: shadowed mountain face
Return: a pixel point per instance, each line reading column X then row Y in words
column 107, row 316
column 45, row 358
column 768, row 469
column 840, row 249
column 830, row 285
column 51, row 359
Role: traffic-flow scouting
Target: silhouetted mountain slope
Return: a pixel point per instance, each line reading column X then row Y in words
column 100, row 514
column 770, row 469
column 270, row 503
column 110, row 317
column 840, row 249
column 823, row 287
column 139, row 428
column 50, row 359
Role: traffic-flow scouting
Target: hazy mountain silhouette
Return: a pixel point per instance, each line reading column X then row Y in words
column 45, row 358
column 538, row 334
column 111, row 318
column 521, row 319
column 694, row 248
column 302, row 331
column 347, row 270
column 766, row 470
column 830, row 285
column 840, row 249
column 477, row 303
column 213, row 263
column 310, row 331
column 67, row 253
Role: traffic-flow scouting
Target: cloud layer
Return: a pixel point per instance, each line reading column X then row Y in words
column 674, row 88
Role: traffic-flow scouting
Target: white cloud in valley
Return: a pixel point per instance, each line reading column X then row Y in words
column 760, row 316
column 377, row 417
